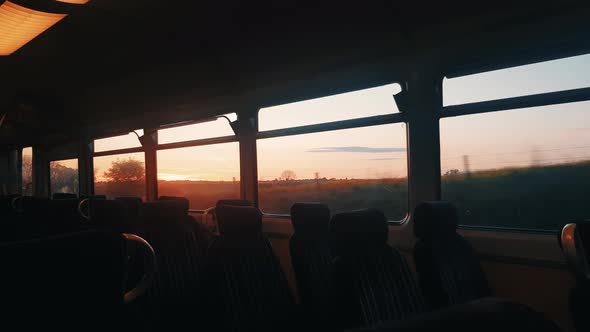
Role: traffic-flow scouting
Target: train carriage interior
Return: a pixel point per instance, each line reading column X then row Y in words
column 295, row 166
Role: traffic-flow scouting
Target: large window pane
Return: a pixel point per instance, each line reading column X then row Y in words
column 118, row 142
column 64, row 176
column 27, row 171
column 548, row 76
column 525, row 168
column 352, row 105
column 216, row 128
column 120, row 175
column 203, row 174
column 345, row 169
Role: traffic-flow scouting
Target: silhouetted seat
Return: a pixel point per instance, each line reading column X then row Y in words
column 134, row 212
column 111, row 215
column 372, row 281
column 8, row 218
column 6, row 208
column 245, row 286
column 311, row 255
column 448, row 270
column 64, row 196
column 172, row 297
column 233, row 202
column 68, row 282
column 575, row 242
column 38, row 217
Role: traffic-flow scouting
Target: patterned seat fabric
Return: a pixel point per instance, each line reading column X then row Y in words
column 245, row 287
column 311, row 255
column 448, row 270
column 179, row 256
column 372, row 281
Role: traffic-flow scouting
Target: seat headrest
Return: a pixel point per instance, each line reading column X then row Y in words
column 64, row 196
column 162, row 213
column 30, row 205
column 183, row 201
column 435, row 219
column 234, row 202
column 359, row 230
column 310, row 218
column 93, row 197
column 133, row 204
column 233, row 219
column 107, row 214
column 65, row 206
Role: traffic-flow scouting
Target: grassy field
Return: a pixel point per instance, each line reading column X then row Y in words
column 543, row 197
column 389, row 195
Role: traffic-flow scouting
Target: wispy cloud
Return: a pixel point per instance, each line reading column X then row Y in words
column 359, row 149
column 385, row 158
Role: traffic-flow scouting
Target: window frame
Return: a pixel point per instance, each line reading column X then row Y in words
column 369, row 121
column 511, row 104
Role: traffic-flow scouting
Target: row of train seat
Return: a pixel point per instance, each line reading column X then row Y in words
column 348, row 275
column 324, row 248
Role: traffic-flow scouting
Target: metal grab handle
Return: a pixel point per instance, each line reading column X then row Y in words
column 14, row 203
column 149, row 268
column 85, row 216
column 212, row 227
column 574, row 251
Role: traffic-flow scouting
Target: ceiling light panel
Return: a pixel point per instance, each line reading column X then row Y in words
column 19, row 25
column 77, row 2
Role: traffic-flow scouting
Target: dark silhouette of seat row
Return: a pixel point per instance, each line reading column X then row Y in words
column 345, row 262
column 70, row 282
column 348, row 275
column 448, row 270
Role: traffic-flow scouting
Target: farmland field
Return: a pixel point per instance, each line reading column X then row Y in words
column 538, row 197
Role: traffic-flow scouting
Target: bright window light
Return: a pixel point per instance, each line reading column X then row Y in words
column 19, row 25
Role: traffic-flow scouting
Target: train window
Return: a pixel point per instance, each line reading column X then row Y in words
column 203, row 174
column 64, row 176
column 345, row 169
column 27, row 171
column 345, row 106
column 120, row 175
column 118, row 142
column 525, row 168
column 542, row 77
column 214, row 128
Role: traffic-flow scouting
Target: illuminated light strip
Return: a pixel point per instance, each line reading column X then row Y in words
column 77, row 2
column 19, row 25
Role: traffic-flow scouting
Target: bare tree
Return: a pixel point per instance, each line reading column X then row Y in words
column 288, row 175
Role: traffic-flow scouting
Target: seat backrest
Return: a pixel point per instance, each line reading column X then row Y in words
column 448, row 269
column 134, row 212
column 311, row 255
column 180, row 259
column 64, row 196
column 246, row 289
column 372, row 281
column 112, row 215
column 39, row 217
column 58, row 280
